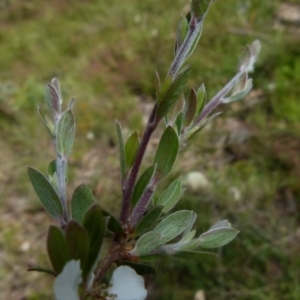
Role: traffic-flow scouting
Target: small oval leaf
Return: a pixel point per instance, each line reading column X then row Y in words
column 77, row 241
column 94, row 224
column 57, row 248
column 173, row 225
column 148, row 242
column 167, row 151
column 170, row 196
column 48, row 124
column 131, row 148
column 82, row 199
column 190, row 107
column 217, row 237
column 65, row 133
column 201, row 99
column 46, row 193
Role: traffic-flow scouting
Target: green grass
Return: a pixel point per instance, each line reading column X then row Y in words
column 105, row 55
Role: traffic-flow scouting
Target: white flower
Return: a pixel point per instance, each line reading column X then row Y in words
column 126, row 284
column 66, row 283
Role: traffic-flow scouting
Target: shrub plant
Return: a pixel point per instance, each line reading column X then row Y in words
column 148, row 226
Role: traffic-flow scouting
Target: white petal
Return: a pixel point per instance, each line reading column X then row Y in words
column 127, row 284
column 66, row 283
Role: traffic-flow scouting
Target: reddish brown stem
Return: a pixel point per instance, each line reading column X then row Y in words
column 130, row 181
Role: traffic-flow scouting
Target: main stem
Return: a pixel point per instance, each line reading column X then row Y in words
column 112, row 255
column 61, row 163
column 129, row 182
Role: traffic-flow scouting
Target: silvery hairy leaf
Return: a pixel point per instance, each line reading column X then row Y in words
column 48, row 124
column 46, row 193
column 218, row 237
column 182, row 30
column 147, row 242
column 173, row 225
column 53, row 100
column 65, row 133
column 170, row 196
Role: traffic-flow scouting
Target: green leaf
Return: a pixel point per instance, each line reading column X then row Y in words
column 173, row 225
column 188, row 229
column 57, row 248
column 187, row 237
column 46, row 193
column 190, row 107
column 221, row 224
column 122, row 150
column 52, row 168
column 113, row 224
column 77, row 241
column 201, row 99
column 141, row 269
column 48, row 123
column 56, row 85
column 65, row 133
column 200, row 7
column 142, row 184
column 94, row 224
column 148, row 220
column 170, row 196
column 66, row 284
column 179, row 122
column 43, row 270
column 189, row 245
column 217, row 237
column 172, row 93
column 148, row 242
column 239, row 94
column 53, row 99
column 182, row 30
column 131, row 148
column 167, row 151
column 82, row 199
column 196, row 37
column 193, row 132
column 157, row 85
column 53, row 175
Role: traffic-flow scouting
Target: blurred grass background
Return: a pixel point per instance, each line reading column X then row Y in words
column 105, row 54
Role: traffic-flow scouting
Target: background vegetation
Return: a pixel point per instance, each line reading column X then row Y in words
column 105, row 54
